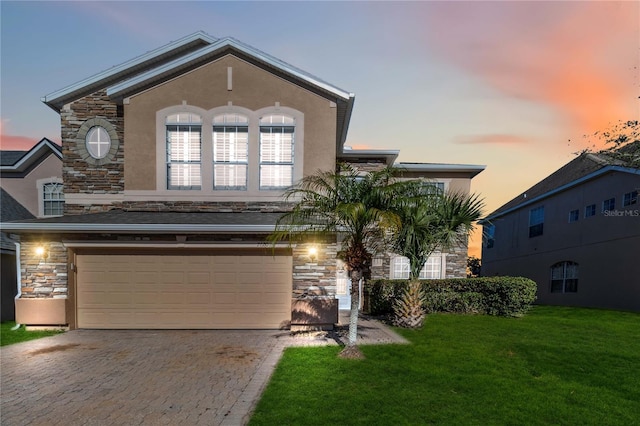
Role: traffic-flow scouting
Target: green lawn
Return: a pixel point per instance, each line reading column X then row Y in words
column 9, row 337
column 556, row 365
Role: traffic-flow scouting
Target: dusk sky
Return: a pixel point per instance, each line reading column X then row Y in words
column 510, row 85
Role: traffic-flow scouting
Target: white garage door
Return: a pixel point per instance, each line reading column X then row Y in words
column 151, row 291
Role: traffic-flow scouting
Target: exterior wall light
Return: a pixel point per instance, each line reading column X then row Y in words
column 313, row 253
column 42, row 252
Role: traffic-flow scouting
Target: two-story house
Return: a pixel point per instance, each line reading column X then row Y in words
column 30, row 186
column 174, row 167
column 576, row 233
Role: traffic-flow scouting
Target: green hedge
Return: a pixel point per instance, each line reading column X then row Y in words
column 503, row 296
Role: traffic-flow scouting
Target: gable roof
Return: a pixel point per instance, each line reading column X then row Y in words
column 188, row 53
column 24, row 161
column 12, row 209
column 585, row 167
column 128, row 69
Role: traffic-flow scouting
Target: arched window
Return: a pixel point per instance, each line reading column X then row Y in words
column 51, row 202
column 184, row 151
column 564, row 277
column 277, row 138
column 230, row 151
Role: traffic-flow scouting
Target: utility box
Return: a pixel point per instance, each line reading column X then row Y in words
column 314, row 313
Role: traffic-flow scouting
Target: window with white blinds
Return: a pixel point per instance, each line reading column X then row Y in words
column 184, row 151
column 230, row 151
column 276, row 151
column 430, row 270
column 53, row 199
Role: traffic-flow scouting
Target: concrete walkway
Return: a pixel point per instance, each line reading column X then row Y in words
column 151, row 377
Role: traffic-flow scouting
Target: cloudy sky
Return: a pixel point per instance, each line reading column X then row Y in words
column 511, row 85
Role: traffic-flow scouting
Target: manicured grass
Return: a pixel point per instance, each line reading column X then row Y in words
column 556, row 365
column 9, row 337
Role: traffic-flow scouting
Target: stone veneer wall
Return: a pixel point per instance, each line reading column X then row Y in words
column 43, row 278
column 456, row 266
column 319, row 272
column 47, row 278
column 80, row 176
column 181, row 206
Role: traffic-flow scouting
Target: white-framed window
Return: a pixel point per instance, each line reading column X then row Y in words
column 184, row 151
column 432, row 269
column 489, row 235
column 227, row 161
column 277, row 139
column 98, row 142
column 536, row 221
column 630, row 198
column 574, row 215
column 609, row 204
column 51, row 197
column 564, row 277
column 230, row 151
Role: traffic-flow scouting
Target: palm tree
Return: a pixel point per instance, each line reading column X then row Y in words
column 349, row 204
column 429, row 219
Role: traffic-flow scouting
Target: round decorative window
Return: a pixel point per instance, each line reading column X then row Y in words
column 98, row 142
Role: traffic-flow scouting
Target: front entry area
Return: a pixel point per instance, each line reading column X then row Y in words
column 156, row 291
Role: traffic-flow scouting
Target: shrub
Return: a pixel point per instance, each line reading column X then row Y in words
column 503, row 296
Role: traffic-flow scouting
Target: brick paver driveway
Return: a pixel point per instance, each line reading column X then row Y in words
column 131, row 377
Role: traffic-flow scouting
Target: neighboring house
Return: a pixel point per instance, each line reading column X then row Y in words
column 576, row 233
column 31, row 186
column 174, row 168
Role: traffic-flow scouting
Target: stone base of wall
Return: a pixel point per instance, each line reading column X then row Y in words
column 38, row 312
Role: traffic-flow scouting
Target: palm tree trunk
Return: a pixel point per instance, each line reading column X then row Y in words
column 355, row 307
column 351, row 350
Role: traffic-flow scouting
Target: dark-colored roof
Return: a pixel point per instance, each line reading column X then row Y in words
column 579, row 168
column 9, row 158
column 20, row 163
column 151, row 222
column 11, row 209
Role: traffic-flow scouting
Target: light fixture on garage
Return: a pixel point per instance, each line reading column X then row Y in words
column 313, row 253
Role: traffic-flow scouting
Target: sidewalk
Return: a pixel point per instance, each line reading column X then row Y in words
column 370, row 332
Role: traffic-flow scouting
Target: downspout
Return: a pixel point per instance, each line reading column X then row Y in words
column 18, row 280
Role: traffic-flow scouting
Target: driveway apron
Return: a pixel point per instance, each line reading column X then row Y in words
column 135, row 377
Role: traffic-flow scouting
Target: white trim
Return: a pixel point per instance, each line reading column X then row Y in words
column 96, row 78
column 40, row 184
column 134, row 227
column 212, row 49
column 561, row 188
column 103, row 244
column 206, row 192
column 439, row 167
column 28, row 158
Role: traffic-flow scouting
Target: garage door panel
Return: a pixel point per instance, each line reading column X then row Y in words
column 147, row 291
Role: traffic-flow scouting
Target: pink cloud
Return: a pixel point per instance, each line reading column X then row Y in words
column 581, row 58
column 12, row 142
column 501, row 139
column 16, row 143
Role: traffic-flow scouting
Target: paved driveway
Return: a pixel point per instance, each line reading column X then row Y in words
column 130, row 377
column 149, row 377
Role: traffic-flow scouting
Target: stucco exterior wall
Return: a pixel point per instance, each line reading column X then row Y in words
column 206, row 88
column 605, row 246
column 25, row 190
